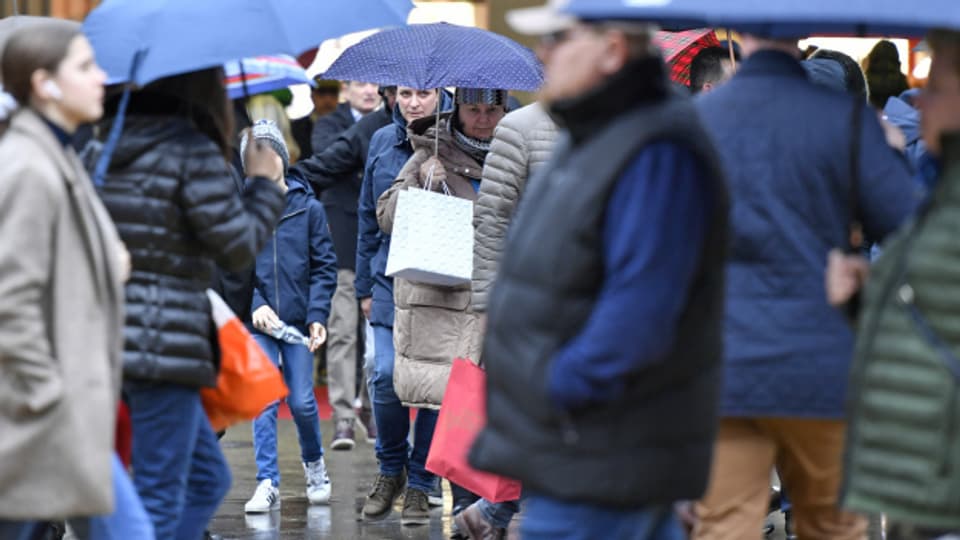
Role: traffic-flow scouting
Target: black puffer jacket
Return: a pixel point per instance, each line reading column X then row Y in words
column 170, row 193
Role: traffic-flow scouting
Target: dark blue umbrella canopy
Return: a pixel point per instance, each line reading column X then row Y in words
column 179, row 36
column 784, row 18
column 438, row 55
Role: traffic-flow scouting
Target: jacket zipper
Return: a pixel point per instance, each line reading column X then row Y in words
column 276, row 270
column 276, row 274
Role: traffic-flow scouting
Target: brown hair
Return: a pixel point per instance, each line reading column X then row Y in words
column 941, row 40
column 199, row 96
column 38, row 45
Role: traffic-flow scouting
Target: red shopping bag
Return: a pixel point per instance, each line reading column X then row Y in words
column 123, row 438
column 462, row 416
column 248, row 380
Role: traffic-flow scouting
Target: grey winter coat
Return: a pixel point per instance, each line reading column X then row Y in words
column 522, row 142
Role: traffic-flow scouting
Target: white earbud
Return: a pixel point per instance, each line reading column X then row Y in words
column 53, row 89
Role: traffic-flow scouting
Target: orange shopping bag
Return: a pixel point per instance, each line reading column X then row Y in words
column 462, row 416
column 248, row 380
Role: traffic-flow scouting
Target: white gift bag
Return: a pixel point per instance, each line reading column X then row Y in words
column 432, row 240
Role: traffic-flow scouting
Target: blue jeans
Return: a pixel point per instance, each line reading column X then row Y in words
column 369, row 358
column 546, row 518
column 370, row 369
column 298, row 374
column 393, row 421
column 498, row 514
column 128, row 520
column 179, row 470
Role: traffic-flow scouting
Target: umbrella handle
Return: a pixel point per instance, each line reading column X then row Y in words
column 103, row 163
column 436, row 130
column 243, row 82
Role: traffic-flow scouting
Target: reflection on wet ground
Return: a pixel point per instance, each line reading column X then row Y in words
column 352, row 474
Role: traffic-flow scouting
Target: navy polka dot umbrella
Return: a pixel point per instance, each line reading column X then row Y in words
column 426, row 56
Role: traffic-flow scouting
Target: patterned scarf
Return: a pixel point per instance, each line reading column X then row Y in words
column 475, row 148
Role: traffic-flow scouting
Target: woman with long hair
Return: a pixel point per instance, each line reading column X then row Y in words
column 170, row 191
column 62, row 267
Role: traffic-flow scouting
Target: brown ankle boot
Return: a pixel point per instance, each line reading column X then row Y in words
column 473, row 526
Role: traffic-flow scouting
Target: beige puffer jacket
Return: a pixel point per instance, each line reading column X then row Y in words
column 433, row 324
column 523, row 142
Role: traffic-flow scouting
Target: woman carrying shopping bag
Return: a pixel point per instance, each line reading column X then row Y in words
column 401, row 463
column 434, row 324
column 296, row 276
column 62, row 268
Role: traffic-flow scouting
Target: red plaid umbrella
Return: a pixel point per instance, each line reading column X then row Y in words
column 680, row 48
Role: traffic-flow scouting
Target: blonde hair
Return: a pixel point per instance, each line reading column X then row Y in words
column 268, row 107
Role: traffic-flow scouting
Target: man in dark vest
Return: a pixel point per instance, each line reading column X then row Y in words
column 603, row 343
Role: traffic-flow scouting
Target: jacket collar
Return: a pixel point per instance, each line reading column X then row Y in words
column 298, row 192
column 767, row 63
column 345, row 112
column 31, row 123
column 641, row 82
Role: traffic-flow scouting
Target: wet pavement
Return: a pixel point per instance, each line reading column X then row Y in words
column 351, row 473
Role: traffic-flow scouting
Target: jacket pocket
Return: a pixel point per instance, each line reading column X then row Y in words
column 30, row 391
column 410, row 294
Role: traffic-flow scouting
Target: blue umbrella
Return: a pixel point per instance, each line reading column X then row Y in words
column 438, row 55
column 178, row 36
column 140, row 41
column 781, row 18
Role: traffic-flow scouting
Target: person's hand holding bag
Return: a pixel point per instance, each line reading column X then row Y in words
column 433, row 175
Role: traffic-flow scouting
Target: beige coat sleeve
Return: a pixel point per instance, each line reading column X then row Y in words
column 409, row 177
column 30, row 382
column 504, row 175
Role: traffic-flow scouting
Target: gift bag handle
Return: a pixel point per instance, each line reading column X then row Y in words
column 429, row 182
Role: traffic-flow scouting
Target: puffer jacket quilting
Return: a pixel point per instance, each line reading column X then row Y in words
column 522, row 143
column 170, row 193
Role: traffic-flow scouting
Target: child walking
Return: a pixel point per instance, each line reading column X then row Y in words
column 296, row 274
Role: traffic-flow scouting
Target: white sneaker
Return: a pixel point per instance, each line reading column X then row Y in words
column 265, row 498
column 318, row 483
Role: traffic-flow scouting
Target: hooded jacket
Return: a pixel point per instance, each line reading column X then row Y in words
column 335, row 172
column 389, row 151
column 906, row 117
column 297, row 269
column 176, row 207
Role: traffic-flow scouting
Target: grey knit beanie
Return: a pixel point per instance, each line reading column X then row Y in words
column 268, row 132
